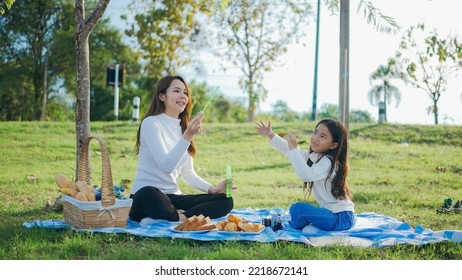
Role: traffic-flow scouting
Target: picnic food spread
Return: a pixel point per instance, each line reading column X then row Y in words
column 232, row 223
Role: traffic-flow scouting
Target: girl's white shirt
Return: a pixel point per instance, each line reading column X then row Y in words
column 163, row 157
column 317, row 174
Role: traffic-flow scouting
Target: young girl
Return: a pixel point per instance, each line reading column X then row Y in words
column 165, row 151
column 325, row 166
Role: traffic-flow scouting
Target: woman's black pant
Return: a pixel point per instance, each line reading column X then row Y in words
column 151, row 202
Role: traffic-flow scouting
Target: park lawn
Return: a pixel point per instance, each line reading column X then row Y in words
column 393, row 171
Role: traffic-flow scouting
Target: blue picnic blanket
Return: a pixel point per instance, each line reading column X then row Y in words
column 369, row 230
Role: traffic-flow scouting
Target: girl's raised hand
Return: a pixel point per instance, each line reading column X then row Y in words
column 264, row 129
column 291, row 141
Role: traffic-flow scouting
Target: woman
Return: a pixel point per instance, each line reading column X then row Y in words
column 165, row 150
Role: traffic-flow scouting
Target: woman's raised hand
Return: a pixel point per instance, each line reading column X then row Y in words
column 194, row 127
column 221, row 187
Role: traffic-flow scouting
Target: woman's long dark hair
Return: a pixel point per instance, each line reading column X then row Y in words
column 157, row 107
column 338, row 158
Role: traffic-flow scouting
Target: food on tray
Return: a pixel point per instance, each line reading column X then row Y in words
column 248, row 227
column 236, row 223
column 221, row 225
column 207, row 226
column 231, row 227
column 234, row 218
column 185, row 223
column 195, row 223
column 233, row 223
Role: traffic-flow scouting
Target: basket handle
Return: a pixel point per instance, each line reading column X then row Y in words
column 107, row 187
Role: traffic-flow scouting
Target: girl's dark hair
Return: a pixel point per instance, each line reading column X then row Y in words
column 157, row 107
column 338, row 157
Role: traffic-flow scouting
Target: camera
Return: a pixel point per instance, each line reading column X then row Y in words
column 274, row 222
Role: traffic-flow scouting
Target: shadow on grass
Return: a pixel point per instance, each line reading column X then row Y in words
column 13, row 231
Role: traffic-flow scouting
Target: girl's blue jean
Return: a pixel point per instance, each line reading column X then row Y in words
column 303, row 214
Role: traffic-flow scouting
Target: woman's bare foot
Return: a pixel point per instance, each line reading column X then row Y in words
column 181, row 217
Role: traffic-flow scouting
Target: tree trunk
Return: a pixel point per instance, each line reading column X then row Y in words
column 344, row 80
column 43, row 115
column 382, row 114
column 38, row 82
column 385, row 94
column 435, row 111
column 250, row 110
column 84, row 26
column 250, row 115
column 82, row 114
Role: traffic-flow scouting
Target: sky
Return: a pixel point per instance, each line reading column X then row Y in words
column 292, row 81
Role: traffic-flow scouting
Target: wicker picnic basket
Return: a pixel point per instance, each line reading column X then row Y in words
column 109, row 212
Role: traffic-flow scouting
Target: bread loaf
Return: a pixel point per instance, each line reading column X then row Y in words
column 86, row 189
column 185, row 223
column 195, row 223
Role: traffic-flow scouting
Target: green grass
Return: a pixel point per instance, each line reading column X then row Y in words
column 392, row 172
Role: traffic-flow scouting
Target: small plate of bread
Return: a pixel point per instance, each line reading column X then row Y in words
column 195, row 224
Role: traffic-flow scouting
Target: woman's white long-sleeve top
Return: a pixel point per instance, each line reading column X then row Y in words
column 317, row 174
column 163, row 157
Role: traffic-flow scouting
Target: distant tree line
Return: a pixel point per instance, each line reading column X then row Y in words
column 280, row 110
column 38, row 65
column 426, row 61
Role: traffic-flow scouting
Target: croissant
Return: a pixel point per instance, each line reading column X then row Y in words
column 231, row 227
column 234, row 218
column 257, row 227
column 244, row 225
column 221, row 225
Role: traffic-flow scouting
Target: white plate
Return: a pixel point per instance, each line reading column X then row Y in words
column 239, row 232
column 172, row 228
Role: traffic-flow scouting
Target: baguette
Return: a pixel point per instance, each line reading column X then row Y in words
column 207, row 226
column 185, row 223
column 194, row 223
column 199, row 223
